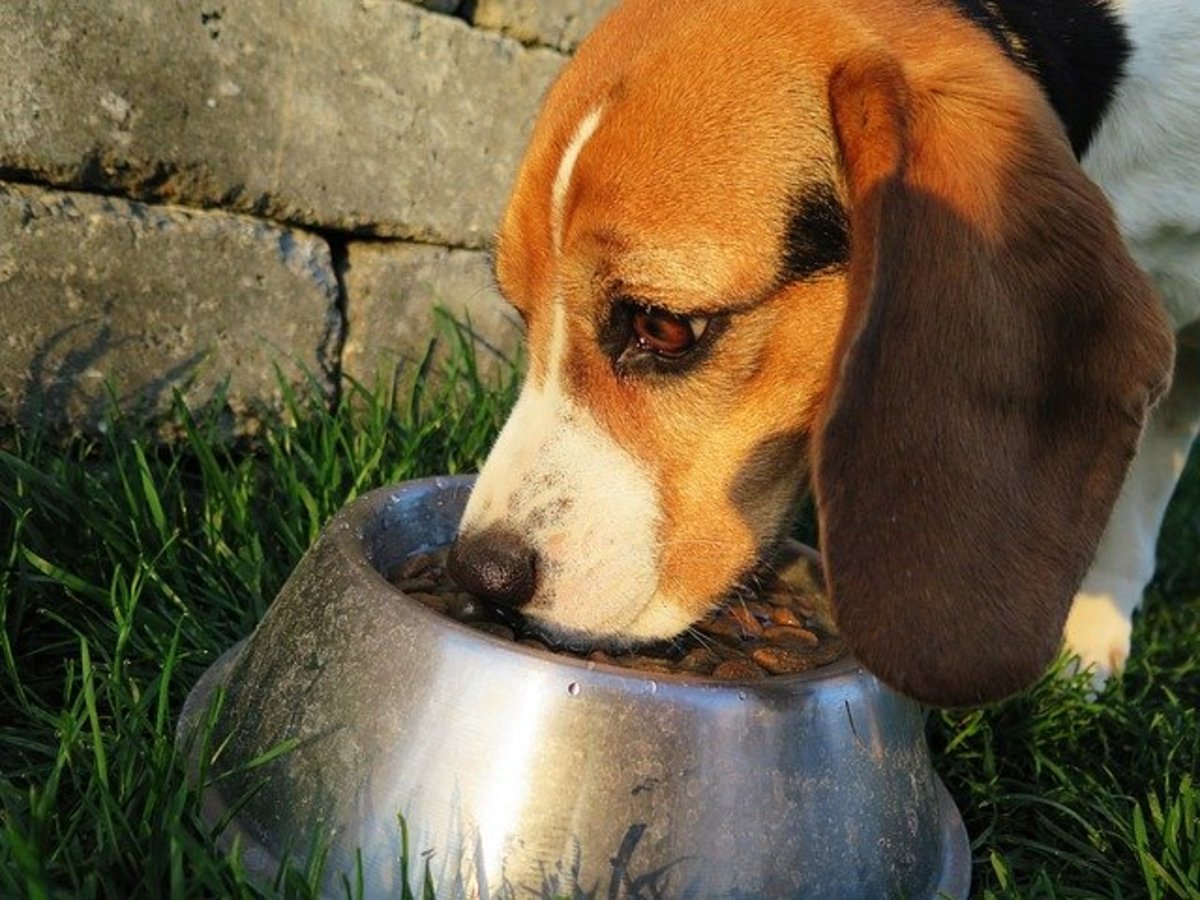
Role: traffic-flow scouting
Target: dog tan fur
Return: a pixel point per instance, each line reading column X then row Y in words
column 966, row 387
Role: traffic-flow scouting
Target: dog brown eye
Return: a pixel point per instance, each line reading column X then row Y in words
column 665, row 334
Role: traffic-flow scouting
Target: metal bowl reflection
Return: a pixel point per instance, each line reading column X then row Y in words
column 353, row 709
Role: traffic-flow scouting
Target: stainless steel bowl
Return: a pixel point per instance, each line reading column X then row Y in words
column 520, row 773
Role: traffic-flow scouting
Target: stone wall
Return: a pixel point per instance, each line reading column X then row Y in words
column 194, row 193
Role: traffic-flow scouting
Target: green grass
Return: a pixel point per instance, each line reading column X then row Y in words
column 127, row 567
column 1066, row 796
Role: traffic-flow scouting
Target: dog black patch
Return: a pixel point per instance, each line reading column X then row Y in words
column 1077, row 49
column 773, row 476
column 818, row 233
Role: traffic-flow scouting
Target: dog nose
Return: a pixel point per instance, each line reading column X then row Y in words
column 496, row 565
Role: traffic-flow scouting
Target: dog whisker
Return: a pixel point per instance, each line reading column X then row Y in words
column 699, row 638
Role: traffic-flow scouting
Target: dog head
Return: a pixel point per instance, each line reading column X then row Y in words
column 824, row 244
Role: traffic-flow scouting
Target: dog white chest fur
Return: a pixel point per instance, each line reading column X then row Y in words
column 1146, row 158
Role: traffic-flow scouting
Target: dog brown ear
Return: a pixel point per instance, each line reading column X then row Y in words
column 999, row 356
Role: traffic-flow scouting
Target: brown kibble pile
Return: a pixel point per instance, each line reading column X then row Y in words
column 785, row 629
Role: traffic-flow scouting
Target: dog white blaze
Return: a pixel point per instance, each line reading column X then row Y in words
column 560, row 481
column 585, row 505
column 566, row 168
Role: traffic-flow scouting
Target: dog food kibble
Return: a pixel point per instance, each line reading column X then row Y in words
column 786, row 629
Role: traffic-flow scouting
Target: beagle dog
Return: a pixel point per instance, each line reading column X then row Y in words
column 894, row 252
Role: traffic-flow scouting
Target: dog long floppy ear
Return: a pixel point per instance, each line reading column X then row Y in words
column 998, row 360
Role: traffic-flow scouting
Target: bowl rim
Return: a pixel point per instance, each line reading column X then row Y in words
column 359, row 513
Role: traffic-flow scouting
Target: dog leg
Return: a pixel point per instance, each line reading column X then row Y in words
column 1101, row 619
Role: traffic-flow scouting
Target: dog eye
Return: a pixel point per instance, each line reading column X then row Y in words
column 666, row 334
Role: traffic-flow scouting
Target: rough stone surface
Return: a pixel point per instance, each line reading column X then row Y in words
column 391, row 290
column 562, row 24
column 376, row 117
column 154, row 299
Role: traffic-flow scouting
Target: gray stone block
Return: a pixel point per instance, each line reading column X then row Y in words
column 562, row 24
column 97, row 289
column 392, row 290
column 376, row 116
